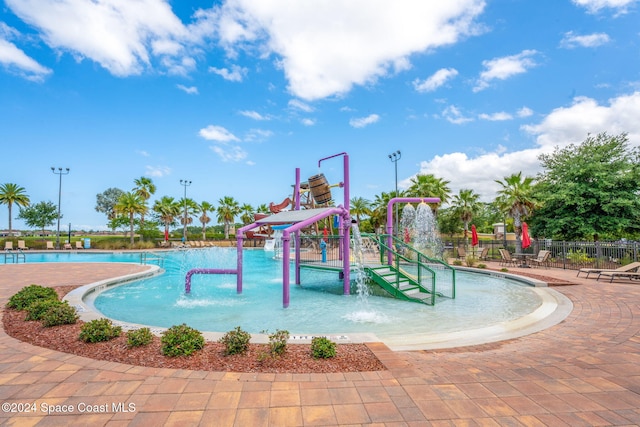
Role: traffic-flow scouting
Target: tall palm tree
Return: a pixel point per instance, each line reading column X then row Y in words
column 204, row 218
column 247, row 213
column 227, row 210
column 427, row 185
column 263, row 208
column 144, row 188
column 167, row 210
column 10, row 194
column 360, row 206
column 465, row 204
column 379, row 209
column 516, row 199
column 131, row 204
column 189, row 208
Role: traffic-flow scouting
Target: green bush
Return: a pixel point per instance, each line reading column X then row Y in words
column 482, row 265
column 99, row 330
column 37, row 310
column 59, row 314
column 236, row 341
column 181, row 340
column 278, row 342
column 30, row 294
column 322, row 348
column 139, row 337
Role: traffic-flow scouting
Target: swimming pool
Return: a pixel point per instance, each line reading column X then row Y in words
column 484, row 302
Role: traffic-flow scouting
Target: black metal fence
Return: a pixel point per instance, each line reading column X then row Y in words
column 565, row 255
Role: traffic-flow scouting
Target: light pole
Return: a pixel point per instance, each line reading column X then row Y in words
column 185, row 183
column 394, row 157
column 59, row 172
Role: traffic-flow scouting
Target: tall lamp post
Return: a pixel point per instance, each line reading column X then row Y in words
column 185, row 184
column 59, row 172
column 394, row 157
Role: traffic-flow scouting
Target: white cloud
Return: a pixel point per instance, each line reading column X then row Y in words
column 571, row 40
column 17, row 61
column 325, row 48
column 496, row 117
column 254, row 115
column 433, row 82
column 157, row 171
column 453, row 115
column 232, row 153
column 594, row 6
column 296, row 104
column 525, row 112
column 122, row 36
column 566, row 125
column 217, row 133
column 191, row 90
column 236, row 74
column 308, row 122
column 505, row 67
column 143, row 153
column 257, row 135
column 364, row 121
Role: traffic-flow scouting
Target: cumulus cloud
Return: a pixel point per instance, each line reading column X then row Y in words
column 453, row 115
column 296, row 104
column 254, row 115
column 525, row 112
column 191, row 90
column 325, row 48
column 433, row 82
column 217, row 133
column 257, row 135
column 496, row 117
column 504, row 68
column 364, row 121
column 594, row 6
column 308, row 122
column 571, row 40
column 123, row 37
column 157, row 171
column 16, row 60
column 231, row 153
column 235, row 74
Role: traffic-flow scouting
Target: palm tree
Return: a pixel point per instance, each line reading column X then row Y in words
column 167, row 210
column 247, row 213
column 227, row 212
column 130, row 204
column 379, row 209
column 360, row 206
column 144, row 188
column 189, row 208
column 263, row 208
column 204, row 218
column 427, row 185
column 465, row 204
column 10, row 194
column 516, row 200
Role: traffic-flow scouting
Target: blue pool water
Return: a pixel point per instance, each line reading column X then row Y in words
column 317, row 306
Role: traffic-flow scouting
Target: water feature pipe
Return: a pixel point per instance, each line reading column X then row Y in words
column 346, row 221
column 239, row 239
column 187, row 284
column 390, row 217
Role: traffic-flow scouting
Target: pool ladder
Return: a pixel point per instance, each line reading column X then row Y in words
column 15, row 256
column 151, row 258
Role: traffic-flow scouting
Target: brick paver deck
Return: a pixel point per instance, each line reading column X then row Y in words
column 584, row 371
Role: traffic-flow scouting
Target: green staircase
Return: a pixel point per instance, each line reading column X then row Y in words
column 399, row 284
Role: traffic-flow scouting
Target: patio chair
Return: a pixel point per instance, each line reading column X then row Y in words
column 619, row 274
column 8, row 246
column 49, row 245
column 506, row 258
column 629, row 267
column 22, row 245
column 484, row 253
column 462, row 253
column 541, row 259
column 79, row 244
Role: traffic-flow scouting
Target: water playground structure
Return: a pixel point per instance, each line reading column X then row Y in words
column 401, row 270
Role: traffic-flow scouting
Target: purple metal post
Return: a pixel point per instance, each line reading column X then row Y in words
column 297, row 234
column 187, row 283
column 390, row 217
column 239, row 239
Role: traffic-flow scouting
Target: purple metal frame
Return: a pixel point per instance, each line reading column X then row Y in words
column 187, row 284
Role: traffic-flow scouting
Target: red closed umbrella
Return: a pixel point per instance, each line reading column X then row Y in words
column 325, row 234
column 474, row 236
column 166, row 235
column 526, row 240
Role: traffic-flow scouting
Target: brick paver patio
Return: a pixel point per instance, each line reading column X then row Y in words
column 584, row 371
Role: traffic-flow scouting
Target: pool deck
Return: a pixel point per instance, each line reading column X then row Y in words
column 584, row 371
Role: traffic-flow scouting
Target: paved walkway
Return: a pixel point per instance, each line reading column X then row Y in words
column 584, row 371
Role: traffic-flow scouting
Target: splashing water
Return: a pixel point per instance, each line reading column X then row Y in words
column 426, row 236
column 408, row 222
column 362, row 289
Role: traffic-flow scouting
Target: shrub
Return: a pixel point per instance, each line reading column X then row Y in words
column 504, row 269
column 37, row 310
column 457, row 262
column 236, row 341
column 470, row 260
column 278, row 342
column 59, row 314
column 181, row 340
column 322, row 348
column 99, row 330
column 30, row 294
column 482, row 265
column 139, row 337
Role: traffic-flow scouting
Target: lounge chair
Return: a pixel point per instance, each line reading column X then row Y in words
column 462, row 253
column 506, row 258
column 629, row 267
column 484, row 253
column 21, row 245
column 541, row 259
column 629, row 274
column 79, row 244
column 8, row 246
column 49, row 245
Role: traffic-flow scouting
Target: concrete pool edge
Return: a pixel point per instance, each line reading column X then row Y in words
column 554, row 308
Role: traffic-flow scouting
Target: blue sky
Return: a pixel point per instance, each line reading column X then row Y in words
column 235, row 95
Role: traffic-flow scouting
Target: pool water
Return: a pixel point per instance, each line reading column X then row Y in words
column 317, row 306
